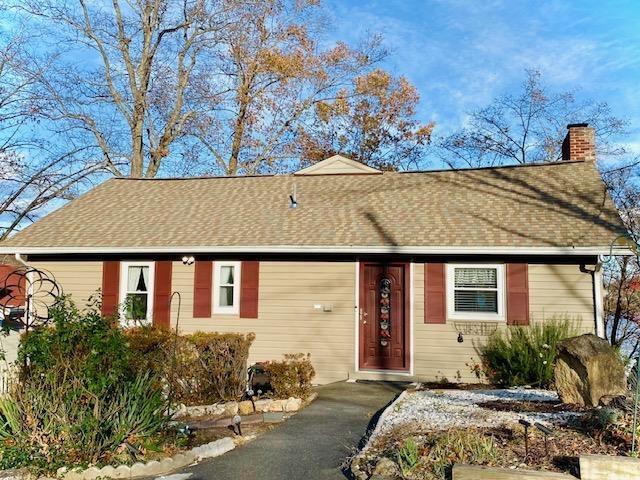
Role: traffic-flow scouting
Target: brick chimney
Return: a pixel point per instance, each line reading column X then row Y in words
column 580, row 143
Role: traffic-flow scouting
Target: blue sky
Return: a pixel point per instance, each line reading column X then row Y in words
column 462, row 53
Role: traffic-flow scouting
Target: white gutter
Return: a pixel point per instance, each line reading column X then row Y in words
column 323, row 249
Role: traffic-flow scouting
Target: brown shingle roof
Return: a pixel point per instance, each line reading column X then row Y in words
column 550, row 205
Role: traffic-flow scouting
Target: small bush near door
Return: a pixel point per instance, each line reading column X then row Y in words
column 524, row 355
column 292, row 376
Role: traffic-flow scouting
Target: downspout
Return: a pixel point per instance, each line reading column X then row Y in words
column 596, row 291
column 20, row 260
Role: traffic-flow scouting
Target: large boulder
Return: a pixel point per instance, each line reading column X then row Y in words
column 587, row 369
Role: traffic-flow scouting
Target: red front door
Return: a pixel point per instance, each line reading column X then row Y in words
column 384, row 316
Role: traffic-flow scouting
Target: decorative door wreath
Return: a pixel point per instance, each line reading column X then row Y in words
column 385, row 311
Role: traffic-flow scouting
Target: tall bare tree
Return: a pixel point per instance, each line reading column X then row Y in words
column 123, row 72
column 622, row 274
column 527, row 127
column 33, row 173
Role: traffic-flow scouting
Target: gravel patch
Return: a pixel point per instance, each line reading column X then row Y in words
column 443, row 409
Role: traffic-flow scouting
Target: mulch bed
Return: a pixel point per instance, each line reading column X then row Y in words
column 530, row 406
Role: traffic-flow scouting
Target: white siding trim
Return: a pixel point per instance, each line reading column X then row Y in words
column 450, row 281
column 217, row 308
column 411, row 293
column 122, row 294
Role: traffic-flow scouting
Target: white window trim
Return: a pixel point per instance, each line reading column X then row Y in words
column 226, row 310
column 124, row 270
column 453, row 315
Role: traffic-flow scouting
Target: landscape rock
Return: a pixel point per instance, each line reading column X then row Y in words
column 214, row 449
column 153, row 468
column 73, row 474
column 107, row 471
column 14, row 474
column 292, row 404
column 245, row 407
column 385, row 469
column 122, row 471
column 138, row 470
column 91, row 473
column 276, row 406
column 587, row 369
column 262, row 405
column 230, row 409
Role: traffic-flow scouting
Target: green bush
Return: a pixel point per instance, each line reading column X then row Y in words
column 201, row 368
column 292, row 376
column 524, row 355
column 79, row 398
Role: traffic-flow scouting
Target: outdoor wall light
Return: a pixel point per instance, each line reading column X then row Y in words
column 188, row 260
column 460, row 337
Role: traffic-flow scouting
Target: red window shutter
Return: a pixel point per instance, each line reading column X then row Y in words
column 249, row 274
column 203, row 278
column 110, row 287
column 435, row 291
column 162, row 294
column 517, row 294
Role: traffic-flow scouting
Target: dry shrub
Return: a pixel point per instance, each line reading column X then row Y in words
column 78, row 399
column 202, row 368
column 292, row 376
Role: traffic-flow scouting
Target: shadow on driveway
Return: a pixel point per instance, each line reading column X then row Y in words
column 313, row 444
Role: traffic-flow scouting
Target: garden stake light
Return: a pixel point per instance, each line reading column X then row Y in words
column 526, row 426
column 547, row 432
column 236, row 424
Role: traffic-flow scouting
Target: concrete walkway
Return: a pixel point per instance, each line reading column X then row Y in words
column 311, row 445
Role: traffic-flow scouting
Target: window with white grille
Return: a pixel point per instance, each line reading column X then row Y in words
column 475, row 292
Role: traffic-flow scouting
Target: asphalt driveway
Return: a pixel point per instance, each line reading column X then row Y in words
column 311, row 445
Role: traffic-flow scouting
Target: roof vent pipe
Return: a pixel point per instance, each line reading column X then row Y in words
column 293, row 198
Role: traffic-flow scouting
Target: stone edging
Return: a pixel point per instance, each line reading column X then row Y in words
column 153, row 467
column 246, row 407
column 354, row 466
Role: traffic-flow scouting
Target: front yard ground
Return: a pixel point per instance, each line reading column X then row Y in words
column 426, row 431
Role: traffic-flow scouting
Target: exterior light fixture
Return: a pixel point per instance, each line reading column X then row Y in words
column 547, row 432
column 237, row 420
column 188, row 260
column 622, row 240
column 460, row 337
column 526, row 426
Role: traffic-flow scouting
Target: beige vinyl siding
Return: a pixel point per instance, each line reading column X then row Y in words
column 79, row 280
column 554, row 291
column 287, row 321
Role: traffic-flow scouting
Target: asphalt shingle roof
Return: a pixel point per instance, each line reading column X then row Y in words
column 549, row 205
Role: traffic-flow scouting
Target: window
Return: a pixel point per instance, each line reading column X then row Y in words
column 226, row 288
column 136, row 292
column 475, row 292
